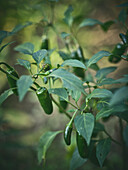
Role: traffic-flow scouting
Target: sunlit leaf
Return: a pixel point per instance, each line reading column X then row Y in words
column 96, row 57
column 26, row 48
column 24, row 63
column 61, row 92
column 23, row 84
column 85, row 124
column 102, row 150
column 73, row 63
column 89, row 22
column 39, row 55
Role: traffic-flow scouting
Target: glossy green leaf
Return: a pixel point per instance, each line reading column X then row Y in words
column 106, row 81
column 44, row 143
column 85, row 124
column 102, row 73
column 100, row 93
column 70, row 81
column 39, row 55
column 5, row 95
column 96, row 57
column 73, row 63
column 89, row 22
column 76, row 160
column 119, row 96
column 76, row 95
column 61, row 92
column 6, row 45
column 105, row 112
column 24, row 63
column 102, row 150
column 23, row 84
column 26, row 48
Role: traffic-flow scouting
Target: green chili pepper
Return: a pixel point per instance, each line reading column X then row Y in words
column 117, row 52
column 80, row 54
column 11, row 72
column 67, row 133
column 45, row 43
column 45, row 99
column 81, row 145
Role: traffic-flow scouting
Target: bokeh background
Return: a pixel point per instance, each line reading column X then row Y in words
column 22, row 123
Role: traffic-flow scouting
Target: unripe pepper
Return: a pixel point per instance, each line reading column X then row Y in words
column 67, row 133
column 81, row 145
column 45, row 100
column 45, row 43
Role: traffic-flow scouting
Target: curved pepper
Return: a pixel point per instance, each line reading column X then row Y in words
column 81, row 145
column 67, row 133
column 45, row 100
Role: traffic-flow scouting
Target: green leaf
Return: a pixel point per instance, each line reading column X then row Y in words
column 105, row 112
column 64, row 35
column 6, row 45
column 123, row 79
column 26, row 48
column 63, row 55
column 3, row 34
column 119, row 96
column 122, row 115
column 39, row 55
column 85, row 124
column 106, row 25
column 61, row 92
column 102, row 150
column 68, row 17
column 100, row 93
column 24, row 63
column 76, row 95
column 70, row 81
column 105, row 81
column 89, row 22
column 122, row 16
column 20, row 27
column 73, row 63
column 44, row 144
column 102, row 73
column 98, row 127
column 5, row 95
column 96, row 57
column 125, row 135
column 23, row 85
column 76, row 160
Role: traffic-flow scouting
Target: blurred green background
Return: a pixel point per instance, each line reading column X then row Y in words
column 22, row 123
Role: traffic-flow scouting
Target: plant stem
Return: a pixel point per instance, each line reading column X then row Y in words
column 112, row 138
column 61, row 108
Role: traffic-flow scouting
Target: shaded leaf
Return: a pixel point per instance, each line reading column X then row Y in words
column 76, row 160
column 100, row 93
column 89, row 22
column 73, row 63
column 23, row 85
column 39, row 55
column 105, row 112
column 26, row 48
column 61, row 92
column 5, row 95
column 85, row 124
column 64, row 35
column 123, row 5
column 102, row 73
column 3, row 34
column 106, row 25
column 6, row 45
column 122, row 16
column 44, row 144
column 70, row 81
column 24, row 63
column 123, row 79
column 102, row 150
column 20, row 27
column 68, row 17
column 96, row 57
column 106, row 81
column 64, row 56
column 119, row 96
column 125, row 135
column 98, row 127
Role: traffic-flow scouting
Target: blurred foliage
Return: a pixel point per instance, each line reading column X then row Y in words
column 22, row 123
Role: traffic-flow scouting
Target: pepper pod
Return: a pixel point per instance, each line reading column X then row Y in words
column 67, row 133
column 45, row 43
column 117, row 52
column 81, row 145
column 10, row 73
column 45, row 100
